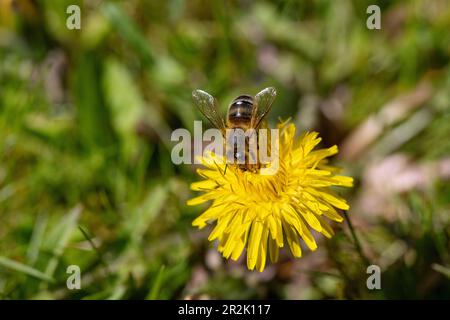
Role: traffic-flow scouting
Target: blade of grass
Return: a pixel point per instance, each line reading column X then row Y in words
column 23, row 268
column 60, row 237
column 154, row 291
column 93, row 115
column 118, row 293
column 441, row 269
column 36, row 238
column 129, row 32
column 144, row 215
column 99, row 254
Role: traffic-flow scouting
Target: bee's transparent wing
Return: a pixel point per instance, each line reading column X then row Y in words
column 264, row 100
column 207, row 105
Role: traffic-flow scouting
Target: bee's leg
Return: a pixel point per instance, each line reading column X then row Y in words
column 225, row 171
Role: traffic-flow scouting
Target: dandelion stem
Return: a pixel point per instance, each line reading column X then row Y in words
column 356, row 240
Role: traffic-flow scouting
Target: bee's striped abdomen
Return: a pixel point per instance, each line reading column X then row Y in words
column 240, row 112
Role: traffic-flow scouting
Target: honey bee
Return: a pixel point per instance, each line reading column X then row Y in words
column 244, row 112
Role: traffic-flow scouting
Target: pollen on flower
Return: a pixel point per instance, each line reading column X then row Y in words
column 260, row 213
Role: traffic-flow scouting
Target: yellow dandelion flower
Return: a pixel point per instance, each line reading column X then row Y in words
column 262, row 212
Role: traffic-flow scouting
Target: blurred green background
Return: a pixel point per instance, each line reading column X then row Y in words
column 86, row 116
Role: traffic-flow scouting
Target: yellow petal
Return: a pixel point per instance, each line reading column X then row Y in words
column 334, row 200
column 201, row 199
column 275, row 223
column 222, row 224
column 273, row 250
column 204, row 185
column 292, row 218
column 234, row 231
column 343, row 181
column 308, row 238
column 253, row 244
column 312, row 220
column 332, row 214
column 262, row 251
column 213, row 213
column 326, row 229
column 239, row 245
column 292, row 240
